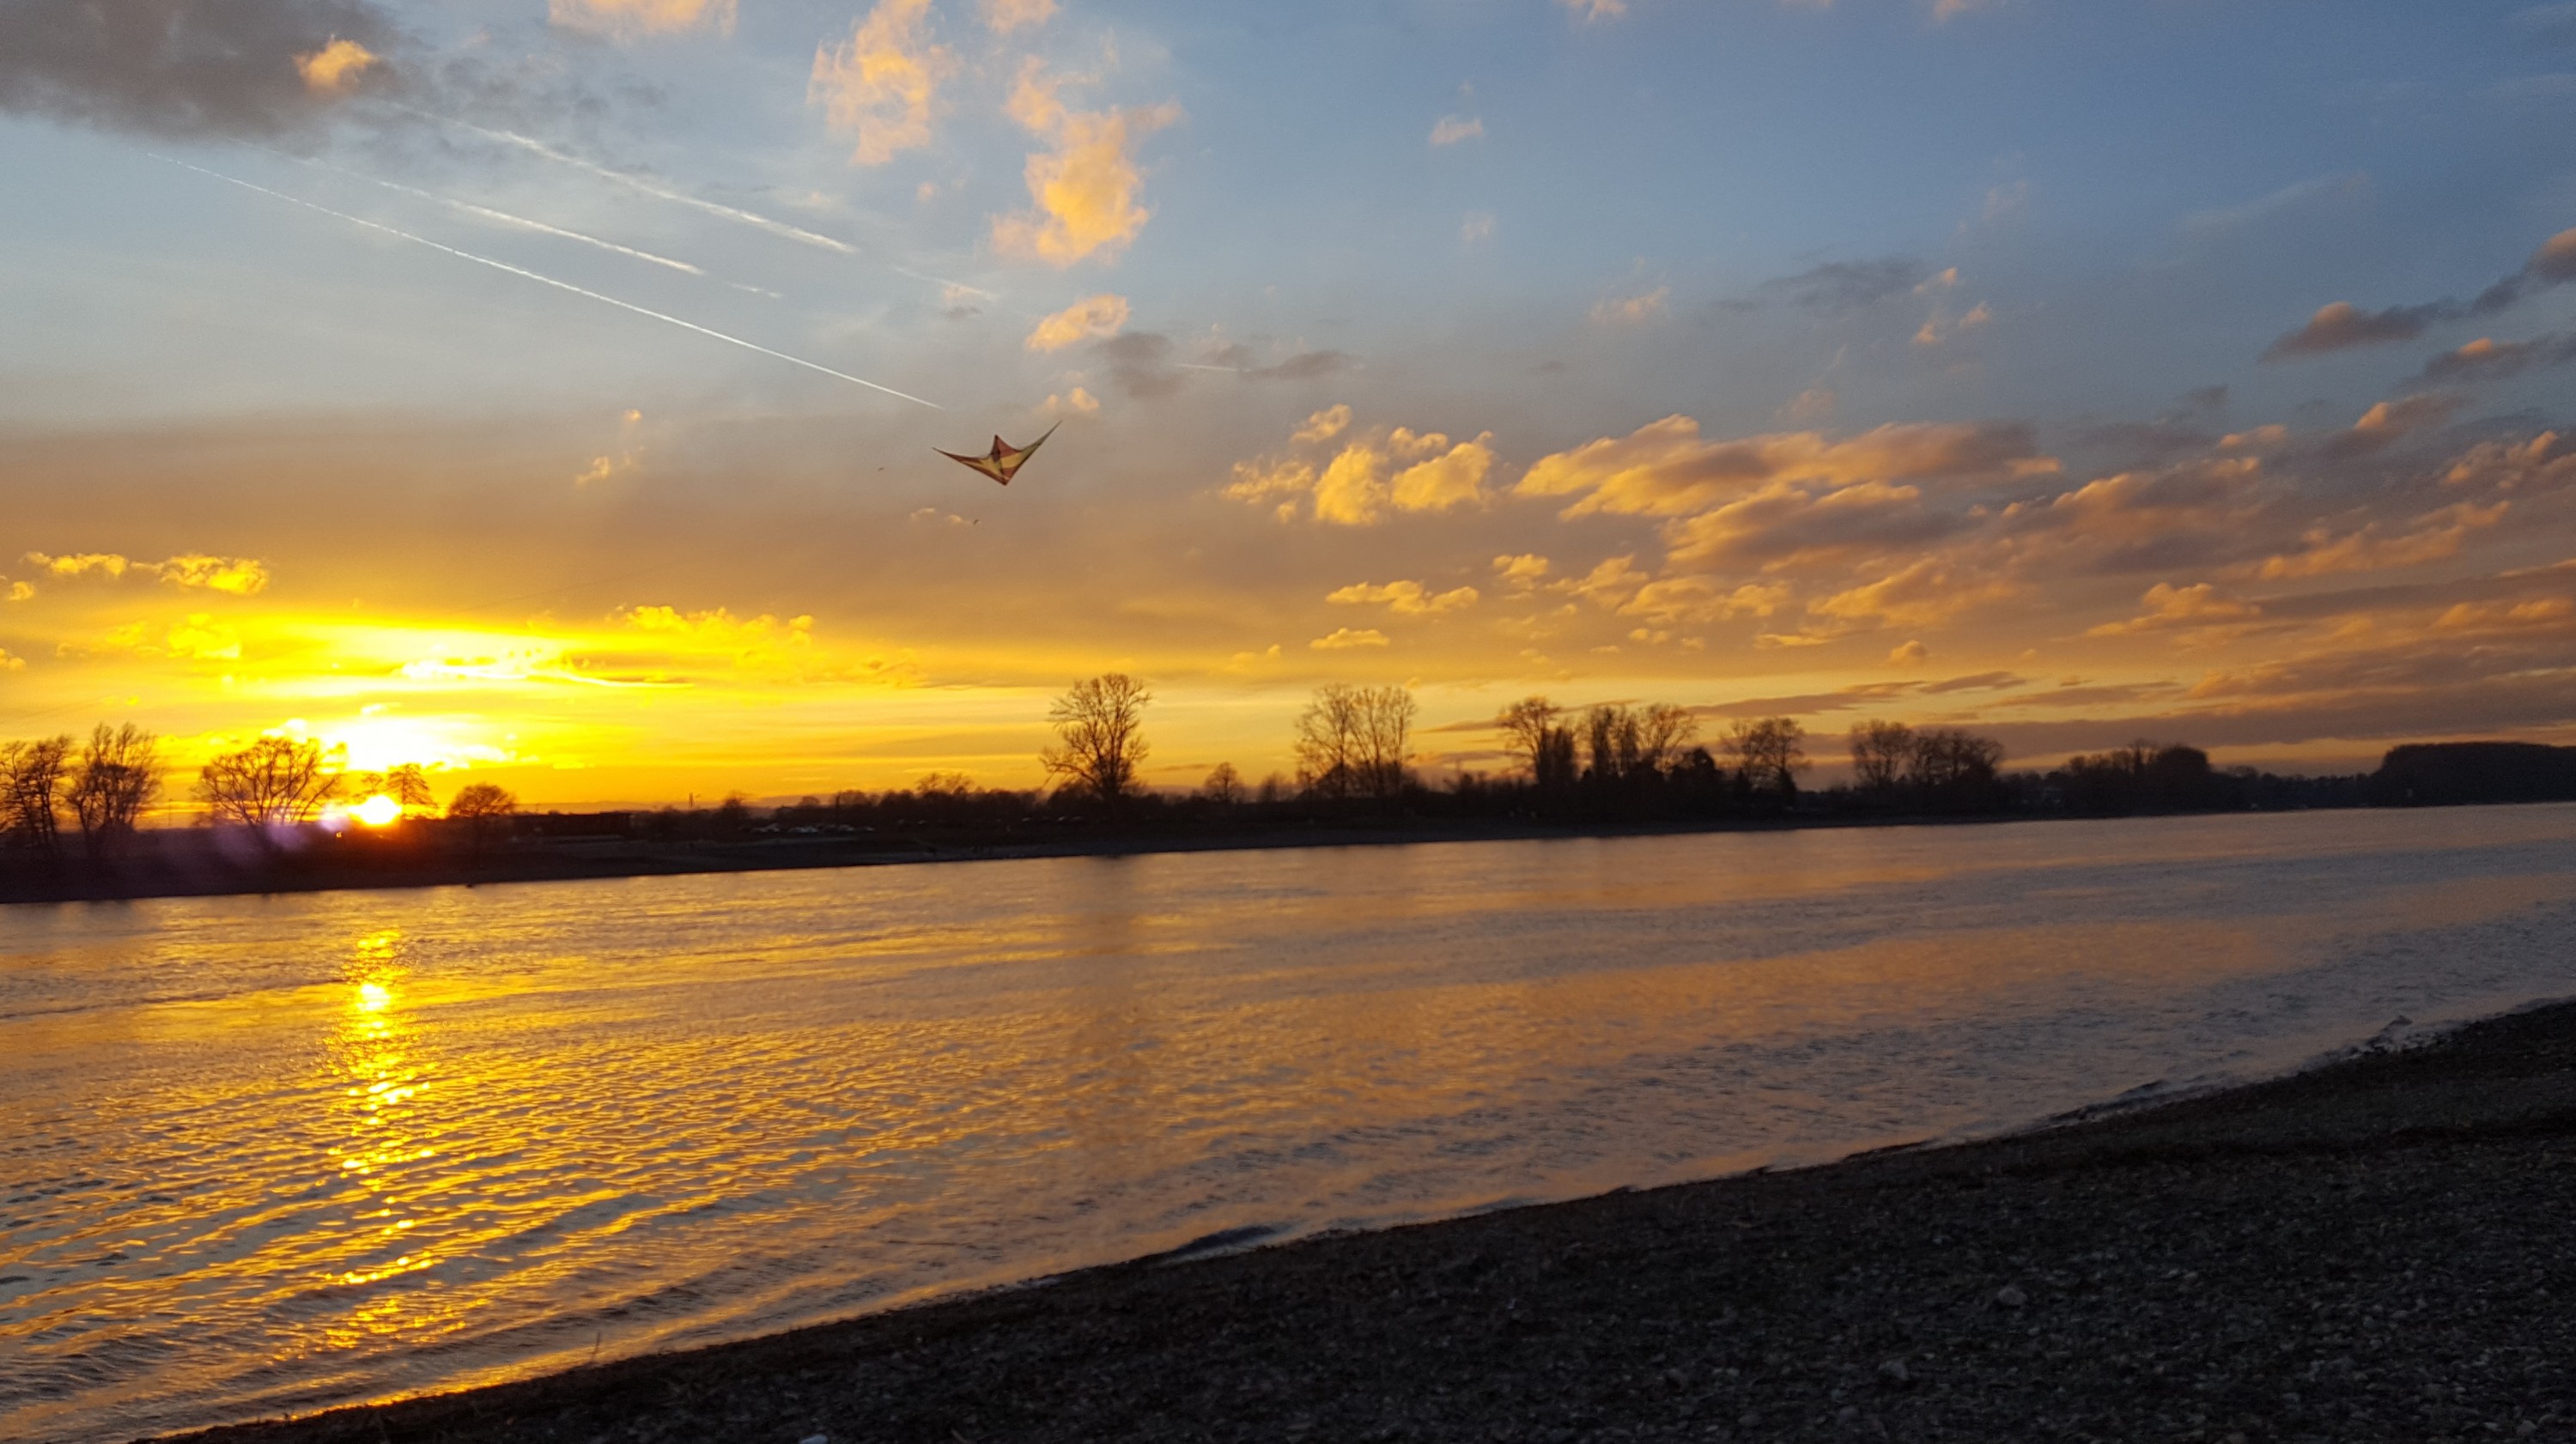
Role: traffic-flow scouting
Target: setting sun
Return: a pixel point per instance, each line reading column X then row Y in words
column 378, row 811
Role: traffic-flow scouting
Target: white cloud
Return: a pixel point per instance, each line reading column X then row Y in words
column 1451, row 129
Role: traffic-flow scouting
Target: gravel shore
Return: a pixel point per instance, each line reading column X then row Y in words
column 2384, row 1248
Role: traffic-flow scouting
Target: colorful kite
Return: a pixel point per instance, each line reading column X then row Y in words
column 1005, row 460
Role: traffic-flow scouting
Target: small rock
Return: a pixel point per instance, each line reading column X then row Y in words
column 1848, row 1414
column 2011, row 1297
column 1895, row 1372
column 815, row 1439
column 1749, row 1419
column 2525, row 1429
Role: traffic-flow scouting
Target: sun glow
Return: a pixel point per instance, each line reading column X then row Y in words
column 378, row 811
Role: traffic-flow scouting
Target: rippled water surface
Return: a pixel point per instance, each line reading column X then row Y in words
column 267, row 1154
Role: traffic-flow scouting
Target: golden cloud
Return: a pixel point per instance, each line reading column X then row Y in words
column 1590, row 10
column 189, row 571
column 240, row 576
column 1405, row 598
column 334, row 67
column 2433, row 536
column 1345, row 638
column 883, row 82
column 641, row 17
column 107, row 564
column 1324, row 425
column 1083, row 190
column 1102, row 315
column 2169, row 607
column 1665, row 468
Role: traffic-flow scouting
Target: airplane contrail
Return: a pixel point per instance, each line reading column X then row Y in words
column 635, row 182
column 677, row 197
column 551, row 281
column 505, row 218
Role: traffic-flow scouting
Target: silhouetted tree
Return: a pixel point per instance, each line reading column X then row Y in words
column 1099, row 726
column 1353, row 741
column 31, row 789
column 1880, row 753
column 1953, row 770
column 407, row 784
column 1275, row 789
column 118, row 775
column 1224, row 785
column 483, row 807
column 1769, row 754
column 1544, row 749
column 273, row 781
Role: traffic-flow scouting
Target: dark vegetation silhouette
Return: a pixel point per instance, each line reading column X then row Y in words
column 72, row 813
column 1099, row 728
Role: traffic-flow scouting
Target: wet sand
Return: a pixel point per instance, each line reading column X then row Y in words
column 2375, row 1249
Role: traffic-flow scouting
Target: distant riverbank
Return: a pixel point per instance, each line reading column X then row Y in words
column 208, row 862
column 2370, row 1250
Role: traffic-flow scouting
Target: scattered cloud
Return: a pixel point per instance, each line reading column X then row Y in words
column 1838, row 287
column 1076, row 402
column 1521, row 573
column 1092, row 316
column 1005, row 16
column 1589, row 11
column 641, row 17
column 1405, row 598
column 1451, row 129
column 1082, row 190
column 1478, row 226
column 1632, row 310
column 2485, row 359
column 2169, row 607
column 188, row 571
column 1909, row 654
column 2227, row 221
column 192, row 70
column 883, row 82
column 335, row 67
column 1370, row 475
column 1324, row 425
column 2340, row 326
column 1345, row 638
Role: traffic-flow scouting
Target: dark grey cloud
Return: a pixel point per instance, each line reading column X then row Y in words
column 2484, row 360
column 1840, row 286
column 2342, row 326
column 1140, row 362
column 1304, row 366
column 183, row 68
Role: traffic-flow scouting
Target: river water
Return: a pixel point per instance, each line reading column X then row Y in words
column 265, row 1155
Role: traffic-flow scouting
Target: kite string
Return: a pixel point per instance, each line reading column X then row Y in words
column 551, row 281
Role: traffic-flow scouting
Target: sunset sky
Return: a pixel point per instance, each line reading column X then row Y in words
column 2194, row 369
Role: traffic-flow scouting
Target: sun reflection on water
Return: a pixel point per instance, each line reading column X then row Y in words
column 373, row 1051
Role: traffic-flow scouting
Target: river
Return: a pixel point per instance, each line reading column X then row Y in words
column 268, row 1154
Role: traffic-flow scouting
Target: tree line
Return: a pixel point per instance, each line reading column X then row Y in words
column 1353, row 753
column 105, row 785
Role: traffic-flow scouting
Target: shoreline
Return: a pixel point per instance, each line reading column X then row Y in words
column 2367, row 1248
column 210, row 872
column 198, row 863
